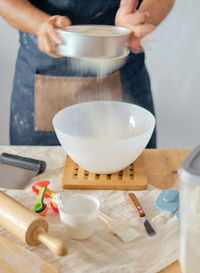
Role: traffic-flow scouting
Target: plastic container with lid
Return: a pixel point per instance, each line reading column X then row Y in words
column 189, row 181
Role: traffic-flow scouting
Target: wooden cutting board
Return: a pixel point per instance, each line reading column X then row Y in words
column 134, row 177
column 14, row 259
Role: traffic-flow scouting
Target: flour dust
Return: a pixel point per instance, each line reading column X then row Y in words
column 100, row 67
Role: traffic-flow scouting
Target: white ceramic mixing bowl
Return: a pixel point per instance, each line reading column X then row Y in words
column 104, row 136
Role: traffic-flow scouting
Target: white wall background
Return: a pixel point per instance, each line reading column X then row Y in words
column 173, row 64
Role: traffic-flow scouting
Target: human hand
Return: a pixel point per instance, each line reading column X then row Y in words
column 127, row 16
column 48, row 38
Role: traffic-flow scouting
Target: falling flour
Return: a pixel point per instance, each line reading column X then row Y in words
column 116, row 125
column 100, row 67
column 104, row 121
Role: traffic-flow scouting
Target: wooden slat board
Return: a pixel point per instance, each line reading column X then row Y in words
column 14, row 259
column 132, row 178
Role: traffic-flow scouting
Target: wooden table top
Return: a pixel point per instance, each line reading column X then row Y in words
column 162, row 167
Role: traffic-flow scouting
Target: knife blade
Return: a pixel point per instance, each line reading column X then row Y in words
column 134, row 201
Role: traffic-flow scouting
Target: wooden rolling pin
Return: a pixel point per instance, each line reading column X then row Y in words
column 28, row 226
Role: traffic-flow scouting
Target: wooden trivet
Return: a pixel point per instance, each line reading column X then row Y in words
column 132, row 178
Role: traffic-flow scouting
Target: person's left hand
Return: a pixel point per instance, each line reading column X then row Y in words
column 127, row 16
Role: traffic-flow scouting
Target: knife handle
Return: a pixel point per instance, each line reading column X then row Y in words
column 134, row 201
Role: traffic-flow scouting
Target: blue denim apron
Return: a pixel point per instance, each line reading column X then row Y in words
column 31, row 61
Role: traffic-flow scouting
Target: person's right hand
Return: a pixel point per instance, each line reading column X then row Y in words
column 128, row 16
column 48, row 38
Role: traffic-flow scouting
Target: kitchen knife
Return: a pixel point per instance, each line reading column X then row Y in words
column 134, row 201
column 17, row 171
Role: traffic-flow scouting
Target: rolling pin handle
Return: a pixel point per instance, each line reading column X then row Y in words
column 57, row 246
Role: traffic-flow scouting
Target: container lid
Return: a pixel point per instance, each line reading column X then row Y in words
column 190, row 168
